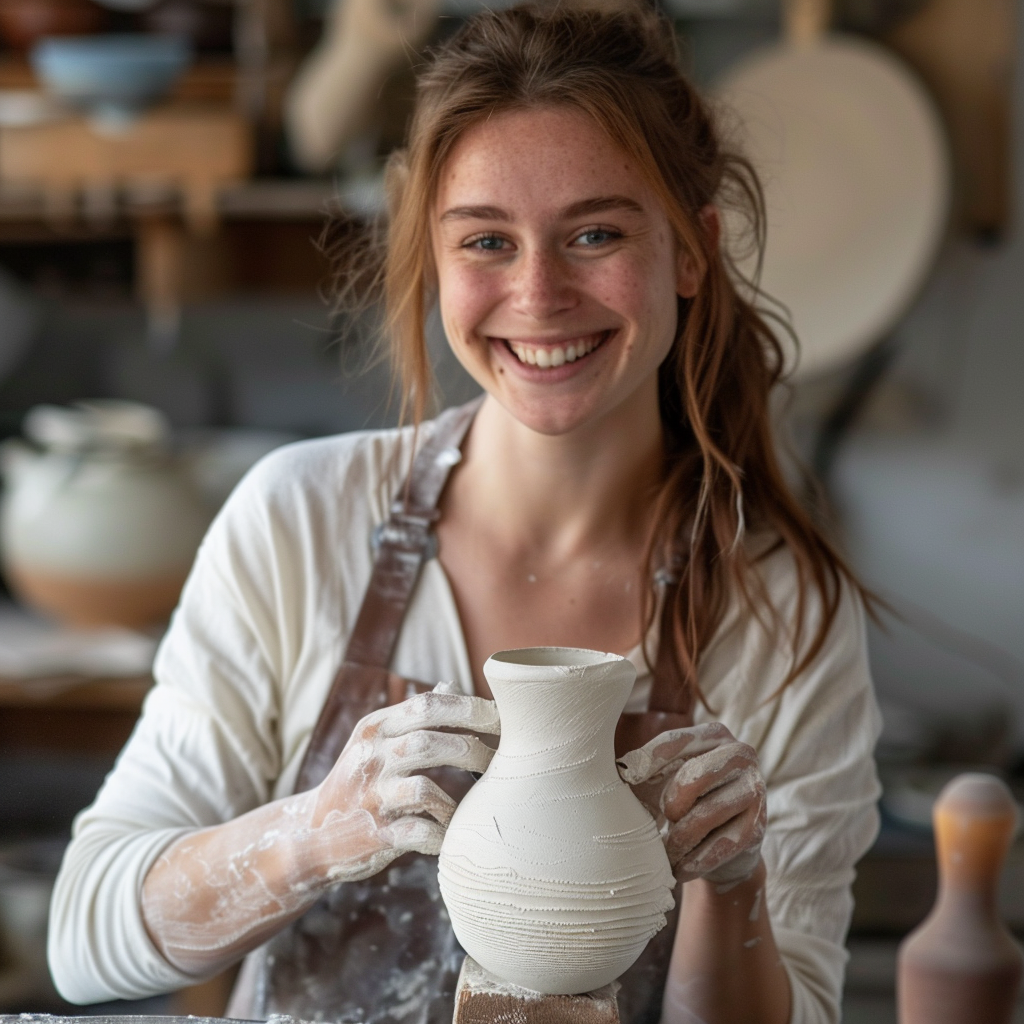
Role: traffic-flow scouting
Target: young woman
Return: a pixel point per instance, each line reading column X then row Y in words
column 560, row 198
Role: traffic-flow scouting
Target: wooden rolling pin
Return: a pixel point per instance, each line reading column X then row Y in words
column 962, row 966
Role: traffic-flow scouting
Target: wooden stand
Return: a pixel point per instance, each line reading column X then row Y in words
column 482, row 999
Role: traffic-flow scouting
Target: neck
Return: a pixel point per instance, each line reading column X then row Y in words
column 553, row 497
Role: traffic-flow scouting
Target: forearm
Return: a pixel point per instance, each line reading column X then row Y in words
column 217, row 893
column 725, row 965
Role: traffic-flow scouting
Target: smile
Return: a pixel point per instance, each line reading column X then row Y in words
column 551, row 356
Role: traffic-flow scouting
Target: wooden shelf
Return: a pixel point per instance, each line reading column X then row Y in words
column 261, row 200
column 208, row 80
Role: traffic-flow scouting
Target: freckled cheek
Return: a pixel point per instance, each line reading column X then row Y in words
column 632, row 300
column 466, row 299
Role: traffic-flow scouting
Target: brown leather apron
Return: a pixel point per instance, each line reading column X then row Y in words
column 382, row 949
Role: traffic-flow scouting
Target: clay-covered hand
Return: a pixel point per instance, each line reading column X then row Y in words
column 705, row 790
column 218, row 892
column 373, row 806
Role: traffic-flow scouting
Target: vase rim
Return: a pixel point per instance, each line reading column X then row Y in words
column 555, row 657
column 543, row 665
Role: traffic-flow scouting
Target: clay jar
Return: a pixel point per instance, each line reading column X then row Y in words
column 553, row 873
column 99, row 525
column 961, row 965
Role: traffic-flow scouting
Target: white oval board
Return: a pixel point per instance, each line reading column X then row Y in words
column 855, row 168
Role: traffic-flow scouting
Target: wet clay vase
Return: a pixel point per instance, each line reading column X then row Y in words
column 99, row 524
column 553, row 873
column 961, row 966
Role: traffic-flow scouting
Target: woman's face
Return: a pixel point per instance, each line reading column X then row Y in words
column 557, row 269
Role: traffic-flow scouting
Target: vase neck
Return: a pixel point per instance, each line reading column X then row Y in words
column 569, row 714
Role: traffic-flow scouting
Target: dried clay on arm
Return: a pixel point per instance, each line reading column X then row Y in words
column 219, row 892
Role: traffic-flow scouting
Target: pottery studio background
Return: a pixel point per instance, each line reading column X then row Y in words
column 157, row 246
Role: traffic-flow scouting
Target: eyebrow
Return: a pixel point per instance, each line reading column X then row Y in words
column 597, row 204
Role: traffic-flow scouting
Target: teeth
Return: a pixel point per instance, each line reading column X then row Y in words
column 555, row 355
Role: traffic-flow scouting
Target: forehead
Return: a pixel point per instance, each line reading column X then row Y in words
column 544, row 158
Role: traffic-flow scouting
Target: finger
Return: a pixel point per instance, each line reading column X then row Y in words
column 670, row 748
column 737, row 837
column 711, row 812
column 405, row 755
column 415, row 834
column 706, row 773
column 649, row 794
column 415, row 794
column 438, row 711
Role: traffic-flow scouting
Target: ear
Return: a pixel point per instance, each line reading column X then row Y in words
column 688, row 275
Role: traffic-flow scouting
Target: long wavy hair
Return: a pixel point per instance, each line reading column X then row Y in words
column 722, row 477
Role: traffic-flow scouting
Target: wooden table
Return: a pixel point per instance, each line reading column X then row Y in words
column 69, row 715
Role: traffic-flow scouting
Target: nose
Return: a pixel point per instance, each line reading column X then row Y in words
column 542, row 284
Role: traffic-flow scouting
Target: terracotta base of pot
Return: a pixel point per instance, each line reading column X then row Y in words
column 83, row 602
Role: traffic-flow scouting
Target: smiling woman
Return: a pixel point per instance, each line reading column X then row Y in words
column 616, row 489
column 561, row 302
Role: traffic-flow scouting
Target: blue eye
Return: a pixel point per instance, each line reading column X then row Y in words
column 597, row 236
column 489, row 243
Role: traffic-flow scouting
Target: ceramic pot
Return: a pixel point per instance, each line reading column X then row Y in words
column 553, row 873
column 112, row 76
column 99, row 525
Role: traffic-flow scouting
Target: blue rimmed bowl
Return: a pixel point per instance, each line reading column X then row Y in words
column 112, row 76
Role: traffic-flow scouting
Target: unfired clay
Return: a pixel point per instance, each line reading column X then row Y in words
column 553, row 873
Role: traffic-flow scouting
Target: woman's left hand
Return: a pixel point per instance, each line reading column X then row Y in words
column 704, row 789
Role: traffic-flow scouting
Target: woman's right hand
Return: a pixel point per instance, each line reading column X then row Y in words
column 373, row 806
column 218, row 892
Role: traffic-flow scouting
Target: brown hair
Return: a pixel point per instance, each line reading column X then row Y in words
column 722, row 475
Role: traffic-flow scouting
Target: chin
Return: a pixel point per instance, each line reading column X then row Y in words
column 552, row 418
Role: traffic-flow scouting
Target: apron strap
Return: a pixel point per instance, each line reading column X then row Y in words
column 403, row 543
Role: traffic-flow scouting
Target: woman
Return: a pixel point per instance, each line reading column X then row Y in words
column 616, row 489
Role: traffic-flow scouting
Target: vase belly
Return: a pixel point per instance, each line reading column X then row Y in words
column 555, row 896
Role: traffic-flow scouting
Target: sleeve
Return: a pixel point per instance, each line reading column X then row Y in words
column 818, row 761
column 204, row 751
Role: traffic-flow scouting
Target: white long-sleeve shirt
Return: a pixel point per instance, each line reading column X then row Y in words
column 255, row 643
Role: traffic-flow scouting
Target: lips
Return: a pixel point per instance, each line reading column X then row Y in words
column 551, row 355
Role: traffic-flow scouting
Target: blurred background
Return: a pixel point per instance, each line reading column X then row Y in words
column 166, row 172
